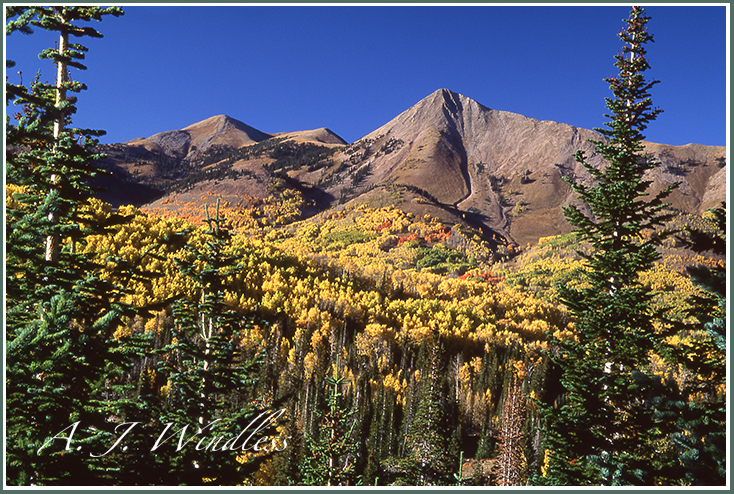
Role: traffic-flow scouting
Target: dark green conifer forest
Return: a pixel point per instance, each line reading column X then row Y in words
column 365, row 346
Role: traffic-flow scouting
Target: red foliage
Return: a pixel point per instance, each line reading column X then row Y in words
column 408, row 238
column 488, row 277
column 442, row 234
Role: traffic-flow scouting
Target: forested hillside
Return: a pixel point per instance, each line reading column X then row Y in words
column 216, row 337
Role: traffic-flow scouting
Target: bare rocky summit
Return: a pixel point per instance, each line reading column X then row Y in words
column 199, row 137
column 507, row 169
column 447, row 155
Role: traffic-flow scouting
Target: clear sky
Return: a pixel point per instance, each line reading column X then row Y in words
column 353, row 68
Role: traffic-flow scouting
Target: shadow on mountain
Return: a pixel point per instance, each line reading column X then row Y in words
column 119, row 190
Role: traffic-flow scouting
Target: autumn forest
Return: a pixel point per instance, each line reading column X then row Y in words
column 267, row 342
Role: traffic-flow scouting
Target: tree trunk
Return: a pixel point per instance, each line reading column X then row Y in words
column 52, row 241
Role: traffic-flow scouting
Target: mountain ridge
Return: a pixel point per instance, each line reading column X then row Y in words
column 222, row 130
column 512, row 166
column 454, row 157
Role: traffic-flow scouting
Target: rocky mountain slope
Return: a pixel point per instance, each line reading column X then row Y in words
column 448, row 156
column 199, row 137
column 506, row 170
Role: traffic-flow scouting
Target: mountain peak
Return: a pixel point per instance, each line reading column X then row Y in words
column 450, row 99
column 321, row 136
column 443, row 109
column 447, row 95
column 443, row 93
column 222, row 130
column 220, row 125
column 216, row 120
column 458, row 160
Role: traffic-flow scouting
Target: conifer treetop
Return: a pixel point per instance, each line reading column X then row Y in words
column 615, row 200
column 631, row 106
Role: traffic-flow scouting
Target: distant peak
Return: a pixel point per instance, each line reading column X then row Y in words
column 446, row 97
column 445, row 92
column 206, row 121
column 216, row 120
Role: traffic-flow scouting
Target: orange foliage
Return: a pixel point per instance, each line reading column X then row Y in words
column 411, row 237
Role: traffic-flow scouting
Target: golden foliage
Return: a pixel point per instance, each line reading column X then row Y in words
column 353, row 271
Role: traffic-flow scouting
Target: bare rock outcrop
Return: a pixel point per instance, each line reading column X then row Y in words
column 451, row 156
column 508, row 169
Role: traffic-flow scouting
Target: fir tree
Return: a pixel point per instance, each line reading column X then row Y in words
column 329, row 453
column 63, row 367
column 697, row 419
column 426, row 461
column 209, row 398
column 603, row 428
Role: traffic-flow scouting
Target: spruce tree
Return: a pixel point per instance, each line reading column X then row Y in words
column 63, row 367
column 604, row 425
column 329, row 453
column 427, row 460
column 209, row 397
column 697, row 419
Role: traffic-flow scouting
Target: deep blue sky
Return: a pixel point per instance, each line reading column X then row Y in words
column 353, row 68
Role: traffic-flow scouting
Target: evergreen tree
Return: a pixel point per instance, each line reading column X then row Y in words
column 209, row 397
column 63, row 367
column 697, row 419
column 427, row 460
column 380, row 436
column 329, row 453
column 604, row 427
